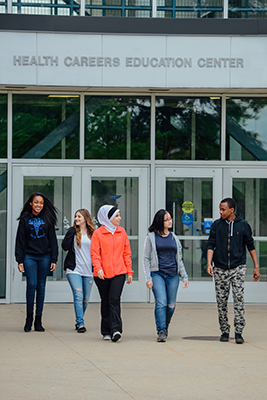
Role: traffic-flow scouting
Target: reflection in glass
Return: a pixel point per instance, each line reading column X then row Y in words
column 58, row 190
column 3, row 228
column 188, row 128
column 3, row 125
column 247, row 9
column 3, row 6
column 118, row 8
column 117, row 128
column 46, row 7
column 122, row 193
column 46, row 126
column 246, row 121
column 190, row 9
column 250, row 195
column 198, row 191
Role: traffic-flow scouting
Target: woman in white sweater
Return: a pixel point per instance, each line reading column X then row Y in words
column 78, row 264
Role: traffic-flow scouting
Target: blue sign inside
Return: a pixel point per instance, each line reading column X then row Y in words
column 187, row 219
column 207, row 224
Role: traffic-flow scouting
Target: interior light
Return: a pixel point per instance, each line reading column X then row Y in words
column 63, row 95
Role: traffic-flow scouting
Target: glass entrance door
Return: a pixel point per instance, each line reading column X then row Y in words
column 61, row 185
column 249, row 189
column 127, row 189
column 192, row 196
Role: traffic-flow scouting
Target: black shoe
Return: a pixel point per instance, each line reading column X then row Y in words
column 238, row 338
column 116, row 336
column 38, row 327
column 28, row 323
column 81, row 329
column 161, row 336
column 224, row 337
column 167, row 328
column 76, row 326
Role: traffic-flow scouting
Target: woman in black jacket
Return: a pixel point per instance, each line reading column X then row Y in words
column 36, row 252
column 78, row 265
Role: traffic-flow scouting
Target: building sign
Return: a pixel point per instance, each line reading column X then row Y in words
column 128, row 62
column 132, row 61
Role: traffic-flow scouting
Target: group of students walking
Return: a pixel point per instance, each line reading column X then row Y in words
column 103, row 255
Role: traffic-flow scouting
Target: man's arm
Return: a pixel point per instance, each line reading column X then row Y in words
column 256, row 272
column 209, row 260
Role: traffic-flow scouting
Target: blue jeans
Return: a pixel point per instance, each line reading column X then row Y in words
column 36, row 269
column 165, row 291
column 81, row 288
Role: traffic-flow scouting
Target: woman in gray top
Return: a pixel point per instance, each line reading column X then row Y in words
column 162, row 264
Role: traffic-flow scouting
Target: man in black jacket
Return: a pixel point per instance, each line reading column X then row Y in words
column 229, row 237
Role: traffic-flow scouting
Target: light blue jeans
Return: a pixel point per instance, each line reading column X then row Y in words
column 165, row 291
column 81, row 288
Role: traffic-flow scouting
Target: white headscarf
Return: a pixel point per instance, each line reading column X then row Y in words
column 103, row 218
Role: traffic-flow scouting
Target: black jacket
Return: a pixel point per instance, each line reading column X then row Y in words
column 68, row 244
column 35, row 237
column 239, row 236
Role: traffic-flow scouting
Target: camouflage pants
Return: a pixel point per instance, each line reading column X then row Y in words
column 223, row 280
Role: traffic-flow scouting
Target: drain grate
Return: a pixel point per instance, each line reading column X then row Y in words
column 204, row 338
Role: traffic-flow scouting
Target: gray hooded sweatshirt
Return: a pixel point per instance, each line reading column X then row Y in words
column 150, row 258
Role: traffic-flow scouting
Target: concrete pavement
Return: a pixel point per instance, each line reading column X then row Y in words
column 62, row 364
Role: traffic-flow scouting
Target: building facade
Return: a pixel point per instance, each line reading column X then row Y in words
column 141, row 112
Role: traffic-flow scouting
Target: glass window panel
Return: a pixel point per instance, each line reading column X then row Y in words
column 46, row 126
column 46, row 7
column 192, row 9
column 122, row 193
column 198, row 191
column 247, row 9
column 261, row 250
column 246, row 135
column 3, row 7
column 3, row 228
column 138, row 13
column 3, row 125
column 117, row 127
column 58, row 190
column 188, row 128
column 250, row 195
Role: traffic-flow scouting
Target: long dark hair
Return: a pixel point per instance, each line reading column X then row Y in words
column 49, row 210
column 89, row 225
column 158, row 221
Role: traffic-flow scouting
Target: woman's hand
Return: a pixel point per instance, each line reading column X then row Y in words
column 21, row 268
column 53, row 267
column 149, row 284
column 186, row 283
column 129, row 279
column 100, row 274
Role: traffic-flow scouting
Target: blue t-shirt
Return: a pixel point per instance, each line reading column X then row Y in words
column 166, row 249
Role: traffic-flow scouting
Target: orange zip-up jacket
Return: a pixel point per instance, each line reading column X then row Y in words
column 111, row 252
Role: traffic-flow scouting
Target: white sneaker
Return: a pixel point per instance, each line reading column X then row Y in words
column 106, row 337
column 116, row 336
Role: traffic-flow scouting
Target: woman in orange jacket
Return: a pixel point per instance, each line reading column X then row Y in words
column 111, row 259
